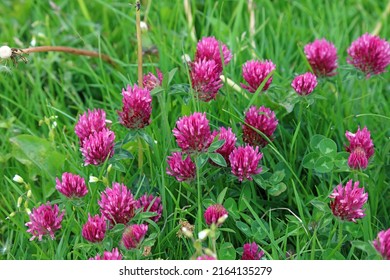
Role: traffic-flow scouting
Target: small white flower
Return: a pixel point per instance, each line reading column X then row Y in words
column 5, row 52
column 93, row 179
column 18, row 179
column 222, row 219
column 186, row 232
column 203, row 234
column 143, row 26
column 185, row 58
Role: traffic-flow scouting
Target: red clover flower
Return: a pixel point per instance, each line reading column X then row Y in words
column 255, row 72
column 262, row 119
column 244, row 162
column 322, row 57
column 94, row 229
column 348, row 201
column 44, row 220
column 360, row 148
column 72, row 185
column 150, row 204
column 107, row 255
column 98, row 146
column 370, row 54
column 252, row 252
column 304, row 84
column 382, row 243
column 181, row 167
column 213, row 214
column 133, row 235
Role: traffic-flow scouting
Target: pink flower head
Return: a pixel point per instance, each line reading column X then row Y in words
column 205, row 79
column 88, row 123
column 255, row 72
column 252, row 252
column 205, row 258
column 322, row 57
column 213, row 213
column 244, row 162
column 133, row 235
column 183, row 169
column 150, row 204
column 107, row 255
column 348, row 201
column 262, row 119
column 137, row 107
column 304, row 84
column 44, row 220
column 193, row 133
column 117, row 204
column 230, row 142
column 382, row 243
column 360, row 147
column 98, row 147
column 209, row 48
column 370, row 54
column 150, row 81
column 94, row 229
column 72, row 185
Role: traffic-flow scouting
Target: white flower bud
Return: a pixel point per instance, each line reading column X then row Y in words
column 222, row 219
column 185, row 58
column 93, row 179
column 203, row 234
column 29, row 193
column 109, row 168
column 20, row 199
column 18, row 179
column 143, row 26
column 5, row 52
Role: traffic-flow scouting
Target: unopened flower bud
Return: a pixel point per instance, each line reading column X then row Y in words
column 143, row 26
column 18, row 179
column 20, row 199
column 26, row 204
column 222, row 219
column 93, row 179
column 109, row 168
column 185, row 58
column 29, row 193
column 28, row 211
column 203, row 234
column 209, row 252
column 12, row 214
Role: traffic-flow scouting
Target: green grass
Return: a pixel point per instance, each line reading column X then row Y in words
column 58, row 84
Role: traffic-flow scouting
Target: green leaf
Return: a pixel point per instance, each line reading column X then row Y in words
column 315, row 142
column 120, row 154
column 171, row 74
column 218, row 159
column 310, row 160
column 37, row 152
column 246, row 194
column 231, row 206
column 323, row 165
column 244, row 228
column 227, row 252
column 320, row 205
column 341, row 159
column 364, row 246
column 201, row 160
column 221, row 195
column 149, row 140
column 328, row 147
column 277, row 177
column 277, row 189
column 216, row 145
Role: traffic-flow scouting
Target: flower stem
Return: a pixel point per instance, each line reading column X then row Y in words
column 140, row 155
column 139, row 43
column 140, row 75
column 199, row 187
column 70, row 50
column 340, row 231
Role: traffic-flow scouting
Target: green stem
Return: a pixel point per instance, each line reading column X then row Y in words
column 340, row 232
column 140, row 155
column 199, row 187
column 139, row 43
